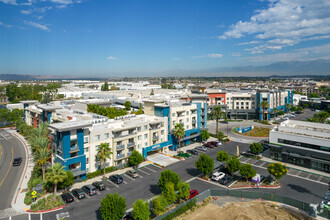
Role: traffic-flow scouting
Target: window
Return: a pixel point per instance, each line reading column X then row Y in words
column 139, row 137
column 139, row 146
column 253, row 103
column 97, row 137
column 237, row 103
column 242, row 103
column 242, row 107
column 97, row 147
column 187, row 112
column 145, row 144
column 87, row 160
column 173, row 122
column 247, row 107
column 145, row 136
column 106, row 136
column 173, row 114
column 187, row 126
column 187, row 120
column 162, row 132
column 86, row 149
column 146, row 127
column 246, row 103
column 138, row 129
column 85, row 139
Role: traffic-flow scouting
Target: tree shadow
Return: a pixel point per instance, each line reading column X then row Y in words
column 155, row 189
column 98, row 214
column 193, row 171
column 299, row 188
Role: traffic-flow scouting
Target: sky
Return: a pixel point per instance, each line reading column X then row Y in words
column 107, row 38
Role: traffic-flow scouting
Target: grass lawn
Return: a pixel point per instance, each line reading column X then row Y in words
column 256, row 132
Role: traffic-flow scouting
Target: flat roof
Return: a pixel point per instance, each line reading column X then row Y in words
column 67, row 126
column 29, row 102
column 49, row 107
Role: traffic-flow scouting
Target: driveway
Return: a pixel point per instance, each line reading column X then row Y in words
column 161, row 159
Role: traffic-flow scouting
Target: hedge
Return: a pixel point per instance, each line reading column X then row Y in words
column 99, row 172
column 181, row 210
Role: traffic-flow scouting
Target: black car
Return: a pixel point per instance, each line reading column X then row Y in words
column 100, row 186
column 17, row 161
column 79, row 193
column 89, row 190
column 67, row 197
column 192, row 151
column 128, row 216
column 116, row 179
column 225, row 180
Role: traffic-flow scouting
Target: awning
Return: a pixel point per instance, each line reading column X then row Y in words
column 189, row 137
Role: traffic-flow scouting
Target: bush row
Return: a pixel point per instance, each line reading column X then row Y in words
column 181, row 210
column 47, row 203
column 99, row 172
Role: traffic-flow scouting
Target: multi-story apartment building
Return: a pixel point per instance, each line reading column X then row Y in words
column 301, row 143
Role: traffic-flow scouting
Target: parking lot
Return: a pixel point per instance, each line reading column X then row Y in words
column 292, row 172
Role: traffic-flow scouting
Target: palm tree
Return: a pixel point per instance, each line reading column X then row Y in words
column 288, row 106
column 41, row 156
column 104, row 152
column 178, row 133
column 56, row 175
column 217, row 113
column 264, row 105
column 275, row 111
column 39, row 142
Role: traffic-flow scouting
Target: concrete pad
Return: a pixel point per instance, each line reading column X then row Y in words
column 162, row 159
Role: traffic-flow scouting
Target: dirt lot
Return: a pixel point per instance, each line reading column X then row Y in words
column 244, row 211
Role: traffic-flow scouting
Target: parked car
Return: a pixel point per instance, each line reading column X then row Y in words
column 100, row 186
column 128, row 216
column 208, row 145
column 216, row 143
column 201, row 148
column 67, row 197
column 226, row 179
column 78, row 193
column 89, row 190
column 116, row 179
column 192, row 151
column 132, row 173
column 285, row 118
column 193, row 193
column 217, row 176
column 17, row 161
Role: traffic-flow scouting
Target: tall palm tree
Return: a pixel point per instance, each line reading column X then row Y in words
column 56, row 175
column 264, row 105
column 39, row 142
column 41, row 156
column 217, row 113
column 288, row 106
column 275, row 111
column 103, row 153
column 178, row 133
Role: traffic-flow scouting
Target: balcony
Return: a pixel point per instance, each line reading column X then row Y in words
column 124, row 135
column 74, row 149
column 131, row 144
column 154, row 127
column 120, row 147
column 194, row 121
column 120, row 156
column 129, row 154
column 181, row 123
column 155, row 138
column 77, row 171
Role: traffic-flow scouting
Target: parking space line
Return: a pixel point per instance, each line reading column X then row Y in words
column 107, row 188
column 308, row 175
column 124, row 182
column 140, row 176
column 98, row 192
column 298, row 173
column 262, row 164
column 150, row 169
column 87, row 195
column 247, row 161
column 112, row 183
column 319, row 178
column 143, row 171
column 129, row 177
column 76, row 199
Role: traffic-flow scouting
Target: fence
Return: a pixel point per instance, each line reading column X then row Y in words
column 253, row 195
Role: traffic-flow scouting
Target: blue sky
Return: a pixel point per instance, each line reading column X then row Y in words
column 157, row 37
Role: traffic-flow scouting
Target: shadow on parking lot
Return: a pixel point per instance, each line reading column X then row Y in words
column 98, row 214
column 155, row 189
column 301, row 189
column 193, row 171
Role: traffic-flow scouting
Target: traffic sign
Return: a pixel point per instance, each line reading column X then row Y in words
column 34, row 193
column 34, row 197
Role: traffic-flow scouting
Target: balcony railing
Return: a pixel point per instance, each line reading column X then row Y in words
column 119, row 156
column 154, row 127
column 131, row 144
column 120, row 147
column 155, row 138
column 75, row 148
column 194, row 121
column 124, row 135
column 129, row 154
column 77, row 171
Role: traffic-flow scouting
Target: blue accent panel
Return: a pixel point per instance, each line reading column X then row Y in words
column 43, row 116
column 66, row 144
column 199, row 114
column 205, row 115
column 66, row 163
column 163, row 112
column 49, row 115
column 80, row 137
column 154, row 147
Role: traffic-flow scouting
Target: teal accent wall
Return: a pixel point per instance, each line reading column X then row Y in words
column 49, row 115
column 80, row 137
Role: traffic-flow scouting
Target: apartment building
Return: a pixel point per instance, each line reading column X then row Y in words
column 203, row 100
column 301, row 143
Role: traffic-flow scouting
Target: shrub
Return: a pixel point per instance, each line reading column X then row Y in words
column 99, row 172
column 27, row 200
column 181, row 210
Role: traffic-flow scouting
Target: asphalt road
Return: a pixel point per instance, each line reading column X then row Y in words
column 145, row 188
column 10, row 147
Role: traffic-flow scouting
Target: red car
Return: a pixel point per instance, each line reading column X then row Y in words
column 193, row 193
column 208, row 145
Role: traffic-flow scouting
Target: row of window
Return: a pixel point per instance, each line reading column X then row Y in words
column 234, row 98
column 304, row 145
column 187, row 113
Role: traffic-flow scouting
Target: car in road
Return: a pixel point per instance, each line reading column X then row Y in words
column 132, row 173
column 192, row 151
column 208, row 145
column 215, row 143
column 216, row 176
column 116, row 179
column 99, row 185
column 226, row 180
column 17, row 161
column 201, row 148
column 192, row 193
column 67, row 197
column 78, row 193
column 89, row 190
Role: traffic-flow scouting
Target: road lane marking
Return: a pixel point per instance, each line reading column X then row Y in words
column 143, row 171
column 0, row 152
column 129, row 177
column 11, row 162
column 150, row 169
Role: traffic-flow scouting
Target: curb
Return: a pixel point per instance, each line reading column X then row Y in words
column 49, row 210
column 172, row 156
column 255, row 187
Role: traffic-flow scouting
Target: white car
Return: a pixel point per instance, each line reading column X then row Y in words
column 217, row 176
column 285, row 118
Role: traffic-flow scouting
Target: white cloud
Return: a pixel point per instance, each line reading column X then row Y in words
column 250, row 42
column 14, row 2
column 215, row 55
column 176, row 58
column 285, row 23
column 37, row 25
column 112, row 58
column 26, row 12
column 236, row 54
column 5, row 25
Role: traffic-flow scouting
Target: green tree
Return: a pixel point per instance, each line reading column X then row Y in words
column 275, row 111
column 152, row 92
column 205, row 135
column 159, row 204
column 205, row 164
column 288, row 106
column 293, row 108
column 281, row 112
column 223, row 156
column 103, row 153
column 184, row 190
column 141, row 210
column 41, row 157
column 300, row 109
column 113, row 207
column 127, row 105
column 169, row 193
column 168, row 176
column 277, row 169
column 47, row 97
column 264, row 105
column 105, row 87
column 217, row 113
column 256, row 148
column 56, row 175
column 113, row 88
column 313, row 95
column 68, row 181
column 135, row 159
column 247, row 171
column 233, row 164
column 178, row 133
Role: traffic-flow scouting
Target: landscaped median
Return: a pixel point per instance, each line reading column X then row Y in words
column 255, row 132
column 47, row 204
